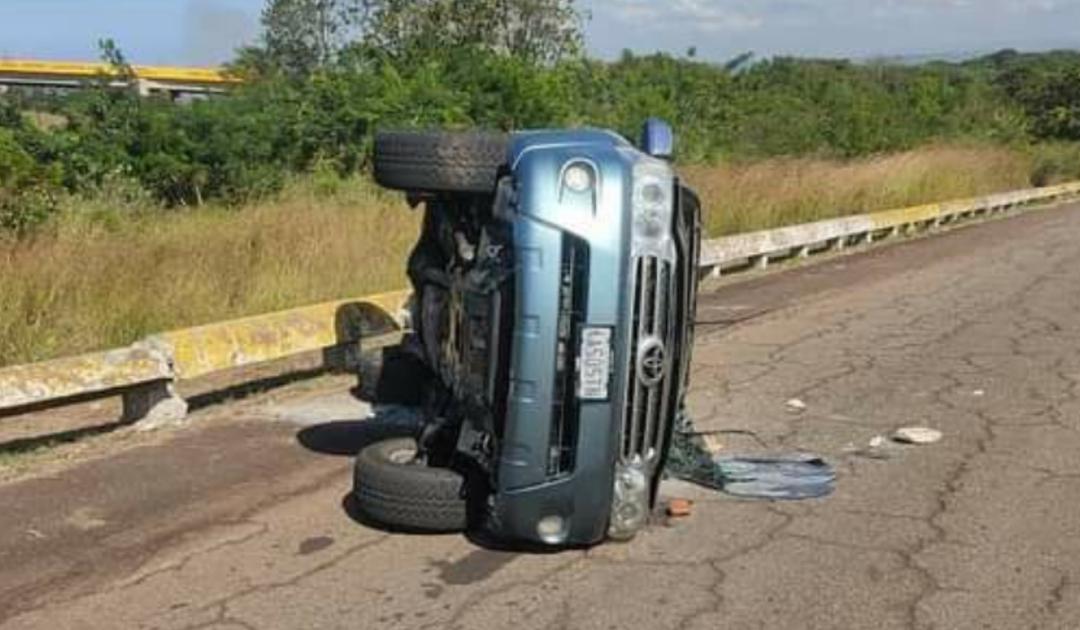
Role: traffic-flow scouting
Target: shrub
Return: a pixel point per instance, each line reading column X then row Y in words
column 27, row 188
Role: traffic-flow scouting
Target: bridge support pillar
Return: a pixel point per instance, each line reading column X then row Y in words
column 154, row 405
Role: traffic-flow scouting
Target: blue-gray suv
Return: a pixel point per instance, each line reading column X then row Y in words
column 554, row 288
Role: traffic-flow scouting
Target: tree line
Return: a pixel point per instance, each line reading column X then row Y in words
column 327, row 73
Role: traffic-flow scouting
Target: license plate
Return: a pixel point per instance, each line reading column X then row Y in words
column 594, row 364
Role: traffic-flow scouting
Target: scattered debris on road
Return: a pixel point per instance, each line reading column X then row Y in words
column 789, row 476
column 678, row 508
column 917, row 435
column 712, row 443
column 876, row 448
column 796, row 406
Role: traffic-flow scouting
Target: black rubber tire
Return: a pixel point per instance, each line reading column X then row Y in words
column 466, row 162
column 408, row 496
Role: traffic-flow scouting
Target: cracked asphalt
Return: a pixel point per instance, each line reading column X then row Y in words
column 238, row 520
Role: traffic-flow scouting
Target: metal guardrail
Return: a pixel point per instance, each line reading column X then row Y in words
column 145, row 374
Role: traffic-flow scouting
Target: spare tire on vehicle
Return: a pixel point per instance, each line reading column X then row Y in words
column 450, row 162
column 392, row 488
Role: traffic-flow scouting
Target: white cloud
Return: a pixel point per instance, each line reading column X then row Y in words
column 703, row 15
column 721, row 29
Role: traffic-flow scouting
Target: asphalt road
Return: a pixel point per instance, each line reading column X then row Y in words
column 238, row 520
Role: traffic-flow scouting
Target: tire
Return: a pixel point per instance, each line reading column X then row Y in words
column 401, row 494
column 439, row 161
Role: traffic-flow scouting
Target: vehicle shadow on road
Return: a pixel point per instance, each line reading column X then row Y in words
column 346, row 438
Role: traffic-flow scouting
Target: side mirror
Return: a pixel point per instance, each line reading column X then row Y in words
column 657, row 139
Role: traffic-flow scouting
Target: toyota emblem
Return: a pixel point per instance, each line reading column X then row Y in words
column 651, row 362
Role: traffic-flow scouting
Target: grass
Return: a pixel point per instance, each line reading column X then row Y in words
column 115, row 268
column 761, row 195
column 97, row 280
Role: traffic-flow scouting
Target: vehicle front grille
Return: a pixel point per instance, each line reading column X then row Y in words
column 573, row 292
column 652, row 338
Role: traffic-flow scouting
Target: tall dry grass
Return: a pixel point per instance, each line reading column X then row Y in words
column 92, row 284
column 105, row 277
column 765, row 194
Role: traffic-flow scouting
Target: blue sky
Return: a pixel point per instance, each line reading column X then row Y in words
column 205, row 31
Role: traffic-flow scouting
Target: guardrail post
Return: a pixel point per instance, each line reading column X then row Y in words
column 154, row 405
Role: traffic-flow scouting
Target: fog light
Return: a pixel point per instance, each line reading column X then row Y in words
column 552, row 529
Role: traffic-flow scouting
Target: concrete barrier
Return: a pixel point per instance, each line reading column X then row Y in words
column 145, row 374
column 213, row 348
column 757, row 249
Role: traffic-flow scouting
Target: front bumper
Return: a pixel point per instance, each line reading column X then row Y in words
column 557, row 453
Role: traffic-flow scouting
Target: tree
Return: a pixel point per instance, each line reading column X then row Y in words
column 302, row 35
column 538, row 31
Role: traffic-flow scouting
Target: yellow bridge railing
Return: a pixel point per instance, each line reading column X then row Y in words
column 30, row 69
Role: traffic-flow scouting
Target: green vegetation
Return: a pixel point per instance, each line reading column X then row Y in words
column 314, row 99
column 122, row 215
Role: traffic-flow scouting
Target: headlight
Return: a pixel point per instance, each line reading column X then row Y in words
column 630, row 501
column 653, row 203
column 578, row 177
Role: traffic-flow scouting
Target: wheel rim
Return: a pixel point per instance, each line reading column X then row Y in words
column 402, row 456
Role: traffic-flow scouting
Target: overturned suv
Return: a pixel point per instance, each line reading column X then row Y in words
column 554, row 289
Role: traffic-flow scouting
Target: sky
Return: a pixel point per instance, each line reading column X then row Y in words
column 205, row 32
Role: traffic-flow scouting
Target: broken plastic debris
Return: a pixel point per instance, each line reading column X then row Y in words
column 917, row 435
column 876, row 448
column 712, row 443
column 790, row 477
column 796, row 405
column 798, row 476
column 679, row 507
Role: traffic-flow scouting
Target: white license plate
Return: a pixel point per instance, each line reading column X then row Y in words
column 594, row 364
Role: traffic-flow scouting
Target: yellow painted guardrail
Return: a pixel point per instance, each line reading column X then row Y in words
column 145, row 373
column 757, row 249
column 90, row 70
column 203, row 350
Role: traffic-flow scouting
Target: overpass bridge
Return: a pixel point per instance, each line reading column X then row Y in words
column 148, row 80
